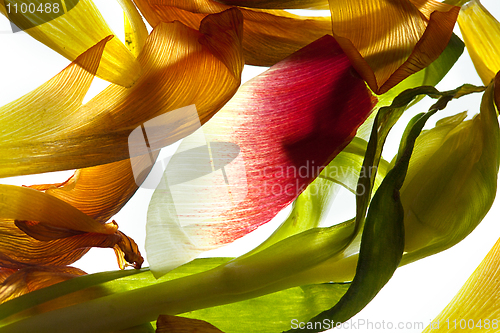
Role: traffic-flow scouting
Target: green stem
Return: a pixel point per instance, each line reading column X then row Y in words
column 265, row 272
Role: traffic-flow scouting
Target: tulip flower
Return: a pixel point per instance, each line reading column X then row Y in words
column 260, row 147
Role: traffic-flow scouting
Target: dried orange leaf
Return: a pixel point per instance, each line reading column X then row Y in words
column 388, row 41
column 269, row 36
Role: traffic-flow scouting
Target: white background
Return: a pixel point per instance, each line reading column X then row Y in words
column 416, row 293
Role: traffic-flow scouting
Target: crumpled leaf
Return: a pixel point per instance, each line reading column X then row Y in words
column 269, row 36
column 72, row 34
column 101, row 191
column 20, row 250
column 127, row 252
column 29, row 279
column 70, row 87
column 456, row 2
column 319, row 101
column 48, row 231
column 5, row 273
column 97, row 132
column 22, row 203
column 391, row 39
column 481, row 34
column 429, row 76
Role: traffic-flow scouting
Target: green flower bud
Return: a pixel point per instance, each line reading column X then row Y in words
column 451, row 181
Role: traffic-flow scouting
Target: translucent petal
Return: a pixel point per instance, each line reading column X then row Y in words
column 476, row 301
column 278, row 122
column 77, row 30
column 481, row 34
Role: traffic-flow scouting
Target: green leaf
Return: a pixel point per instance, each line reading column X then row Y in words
column 95, row 286
column 382, row 242
column 406, row 133
column 37, row 297
column 383, row 123
column 275, row 312
column 120, row 302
